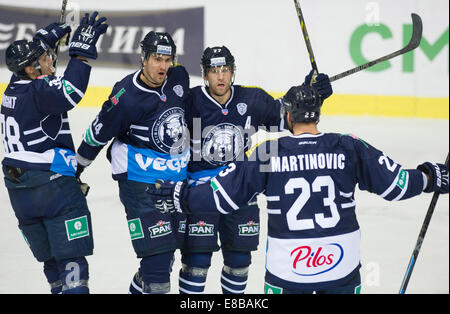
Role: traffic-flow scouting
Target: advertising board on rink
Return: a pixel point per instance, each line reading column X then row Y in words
column 119, row 47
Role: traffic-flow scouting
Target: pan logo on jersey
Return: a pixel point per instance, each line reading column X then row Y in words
column 168, row 132
column 223, row 143
column 249, row 229
column 201, row 229
column 311, row 261
column 161, row 229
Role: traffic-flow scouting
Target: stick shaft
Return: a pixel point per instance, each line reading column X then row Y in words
column 419, row 242
column 62, row 19
column 301, row 19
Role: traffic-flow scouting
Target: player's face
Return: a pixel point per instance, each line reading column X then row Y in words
column 219, row 79
column 155, row 69
column 46, row 66
column 46, row 63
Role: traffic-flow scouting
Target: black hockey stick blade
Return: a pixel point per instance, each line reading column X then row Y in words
column 413, row 44
column 419, row 242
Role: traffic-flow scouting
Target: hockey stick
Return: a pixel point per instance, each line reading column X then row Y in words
column 62, row 19
column 301, row 19
column 419, row 242
column 413, row 44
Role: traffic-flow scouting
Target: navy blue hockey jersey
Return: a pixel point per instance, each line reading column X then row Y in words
column 148, row 127
column 309, row 180
column 34, row 123
column 220, row 133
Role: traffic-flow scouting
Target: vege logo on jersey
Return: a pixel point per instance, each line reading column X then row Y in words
column 222, row 144
column 312, row 261
column 162, row 164
column 168, row 132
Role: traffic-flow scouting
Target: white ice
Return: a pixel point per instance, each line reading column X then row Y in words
column 389, row 230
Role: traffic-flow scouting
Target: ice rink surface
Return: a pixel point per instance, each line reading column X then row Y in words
column 389, row 230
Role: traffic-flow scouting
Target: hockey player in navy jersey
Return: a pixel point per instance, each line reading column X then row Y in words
column 221, row 117
column 310, row 179
column 145, row 116
column 39, row 164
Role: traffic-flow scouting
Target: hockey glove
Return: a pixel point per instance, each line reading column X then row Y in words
column 53, row 33
column 86, row 36
column 322, row 84
column 437, row 177
column 168, row 197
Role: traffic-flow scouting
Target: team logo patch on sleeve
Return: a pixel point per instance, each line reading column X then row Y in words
column 178, row 90
column 241, row 108
column 115, row 99
column 201, row 229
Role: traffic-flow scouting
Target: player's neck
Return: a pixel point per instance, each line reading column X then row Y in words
column 148, row 82
column 301, row 128
column 221, row 99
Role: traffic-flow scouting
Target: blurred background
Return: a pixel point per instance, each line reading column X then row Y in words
column 265, row 37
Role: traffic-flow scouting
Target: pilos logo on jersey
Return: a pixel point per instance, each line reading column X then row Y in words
column 315, row 260
column 119, row 46
column 161, row 229
column 77, row 228
column 201, row 229
column 249, row 229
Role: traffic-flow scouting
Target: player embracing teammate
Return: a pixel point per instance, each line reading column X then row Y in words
column 310, row 179
column 144, row 115
column 222, row 117
column 39, row 164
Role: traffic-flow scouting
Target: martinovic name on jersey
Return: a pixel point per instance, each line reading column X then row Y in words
column 310, row 181
column 148, row 127
column 34, row 121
